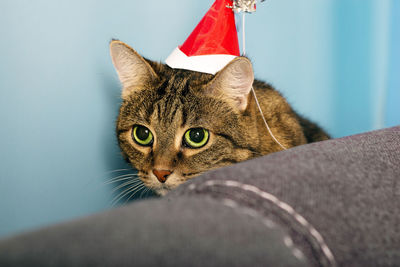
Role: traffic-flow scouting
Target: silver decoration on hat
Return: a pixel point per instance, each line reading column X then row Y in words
column 248, row 6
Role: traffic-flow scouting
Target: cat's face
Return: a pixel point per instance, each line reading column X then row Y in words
column 176, row 124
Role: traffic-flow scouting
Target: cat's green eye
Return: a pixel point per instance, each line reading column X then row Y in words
column 196, row 137
column 142, row 135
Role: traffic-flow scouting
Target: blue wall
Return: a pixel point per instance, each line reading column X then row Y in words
column 337, row 62
column 392, row 105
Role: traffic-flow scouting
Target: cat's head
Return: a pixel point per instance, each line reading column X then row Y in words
column 175, row 124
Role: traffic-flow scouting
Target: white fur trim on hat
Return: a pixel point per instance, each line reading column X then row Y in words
column 206, row 63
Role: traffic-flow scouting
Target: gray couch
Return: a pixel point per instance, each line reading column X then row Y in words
column 333, row 203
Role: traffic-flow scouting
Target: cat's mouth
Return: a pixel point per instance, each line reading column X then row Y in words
column 162, row 187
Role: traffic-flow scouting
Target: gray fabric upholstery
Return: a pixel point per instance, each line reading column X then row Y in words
column 181, row 232
column 331, row 203
column 348, row 189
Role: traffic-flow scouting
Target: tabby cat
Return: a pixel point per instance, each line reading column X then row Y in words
column 175, row 124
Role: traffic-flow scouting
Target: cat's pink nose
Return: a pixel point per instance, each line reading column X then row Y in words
column 162, row 175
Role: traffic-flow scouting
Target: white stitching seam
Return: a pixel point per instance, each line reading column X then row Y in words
column 269, row 224
column 300, row 219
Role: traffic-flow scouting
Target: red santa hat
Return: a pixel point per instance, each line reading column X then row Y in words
column 212, row 44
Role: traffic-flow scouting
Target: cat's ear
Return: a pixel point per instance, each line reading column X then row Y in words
column 134, row 71
column 234, row 82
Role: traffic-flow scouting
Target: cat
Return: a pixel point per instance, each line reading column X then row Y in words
column 176, row 124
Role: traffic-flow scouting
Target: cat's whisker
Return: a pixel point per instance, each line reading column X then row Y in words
column 128, row 183
column 135, row 191
column 120, row 195
column 102, row 184
column 136, row 185
column 144, row 191
column 109, row 172
column 121, row 178
column 132, row 183
column 148, row 191
column 124, row 175
column 124, row 193
column 119, row 170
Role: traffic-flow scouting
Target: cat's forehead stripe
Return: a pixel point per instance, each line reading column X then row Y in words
column 174, row 92
column 178, row 84
column 167, row 116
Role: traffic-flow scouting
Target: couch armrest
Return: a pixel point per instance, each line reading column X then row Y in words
column 330, row 203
